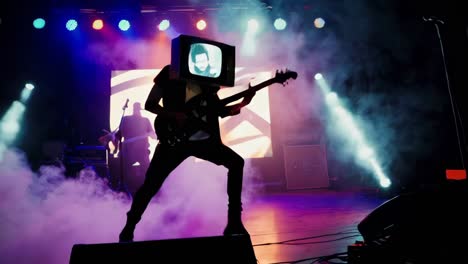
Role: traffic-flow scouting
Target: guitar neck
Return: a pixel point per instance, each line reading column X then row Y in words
column 240, row 95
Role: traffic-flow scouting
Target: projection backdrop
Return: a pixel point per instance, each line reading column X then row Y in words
column 247, row 133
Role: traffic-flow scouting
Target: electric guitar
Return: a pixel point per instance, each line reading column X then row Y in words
column 197, row 109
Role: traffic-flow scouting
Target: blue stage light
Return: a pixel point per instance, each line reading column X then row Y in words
column 71, row 25
column 124, row 25
column 39, row 23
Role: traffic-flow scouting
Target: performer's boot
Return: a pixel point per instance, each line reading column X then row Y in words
column 126, row 235
column 234, row 224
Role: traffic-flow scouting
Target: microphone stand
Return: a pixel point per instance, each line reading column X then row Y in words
column 436, row 22
column 121, row 186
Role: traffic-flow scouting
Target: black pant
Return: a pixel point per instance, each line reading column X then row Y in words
column 167, row 158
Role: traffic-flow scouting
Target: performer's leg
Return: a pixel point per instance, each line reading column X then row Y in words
column 220, row 154
column 164, row 161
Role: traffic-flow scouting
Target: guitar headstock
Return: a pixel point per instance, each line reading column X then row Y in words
column 283, row 76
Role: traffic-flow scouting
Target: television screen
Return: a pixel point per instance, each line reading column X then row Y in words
column 203, row 60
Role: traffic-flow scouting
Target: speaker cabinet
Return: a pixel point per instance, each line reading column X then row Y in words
column 218, row 249
column 80, row 157
column 425, row 226
column 305, row 167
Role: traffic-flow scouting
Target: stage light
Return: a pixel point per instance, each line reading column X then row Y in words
column 29, row 86
column 364, row 152
column 280, row 24
column 10, row 129
column 331, row 98
column 201, row 24
column 164, row 24
column 319, row 22
column 10, row 123
column 355, row 141
column 252, row 25
column 39, row 23
column 98, row 24
column 124, row 25
column 249, row 42
column 385, row 182
column 2, row 149
column 26, row 93
column 71, row 24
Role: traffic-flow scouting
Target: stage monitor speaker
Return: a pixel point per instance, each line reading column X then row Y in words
column 426, row 226
column 217, row 249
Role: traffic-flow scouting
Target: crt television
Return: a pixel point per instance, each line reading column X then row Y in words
column 203, row 60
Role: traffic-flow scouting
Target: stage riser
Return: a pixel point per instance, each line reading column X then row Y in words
column 219, row 249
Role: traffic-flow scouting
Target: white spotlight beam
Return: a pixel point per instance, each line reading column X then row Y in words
column 10, row 123
column 351, row 133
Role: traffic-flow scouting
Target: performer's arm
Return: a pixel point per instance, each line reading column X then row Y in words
column 152, row 102
column 156, row 94
column 235, row 109
column 152, row 105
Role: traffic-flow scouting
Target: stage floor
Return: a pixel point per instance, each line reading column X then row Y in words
column 294, row 225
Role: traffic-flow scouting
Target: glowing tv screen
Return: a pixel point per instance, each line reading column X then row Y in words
column 205, row 60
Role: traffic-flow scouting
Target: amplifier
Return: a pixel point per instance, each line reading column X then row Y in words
column 82, row 156
column 86, row 154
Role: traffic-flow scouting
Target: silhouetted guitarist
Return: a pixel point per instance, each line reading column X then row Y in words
column 204, row 142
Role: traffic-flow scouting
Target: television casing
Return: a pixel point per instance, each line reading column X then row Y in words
column 180, row 49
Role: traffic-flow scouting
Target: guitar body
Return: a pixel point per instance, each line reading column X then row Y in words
column 197, row 110
column 168, row 131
